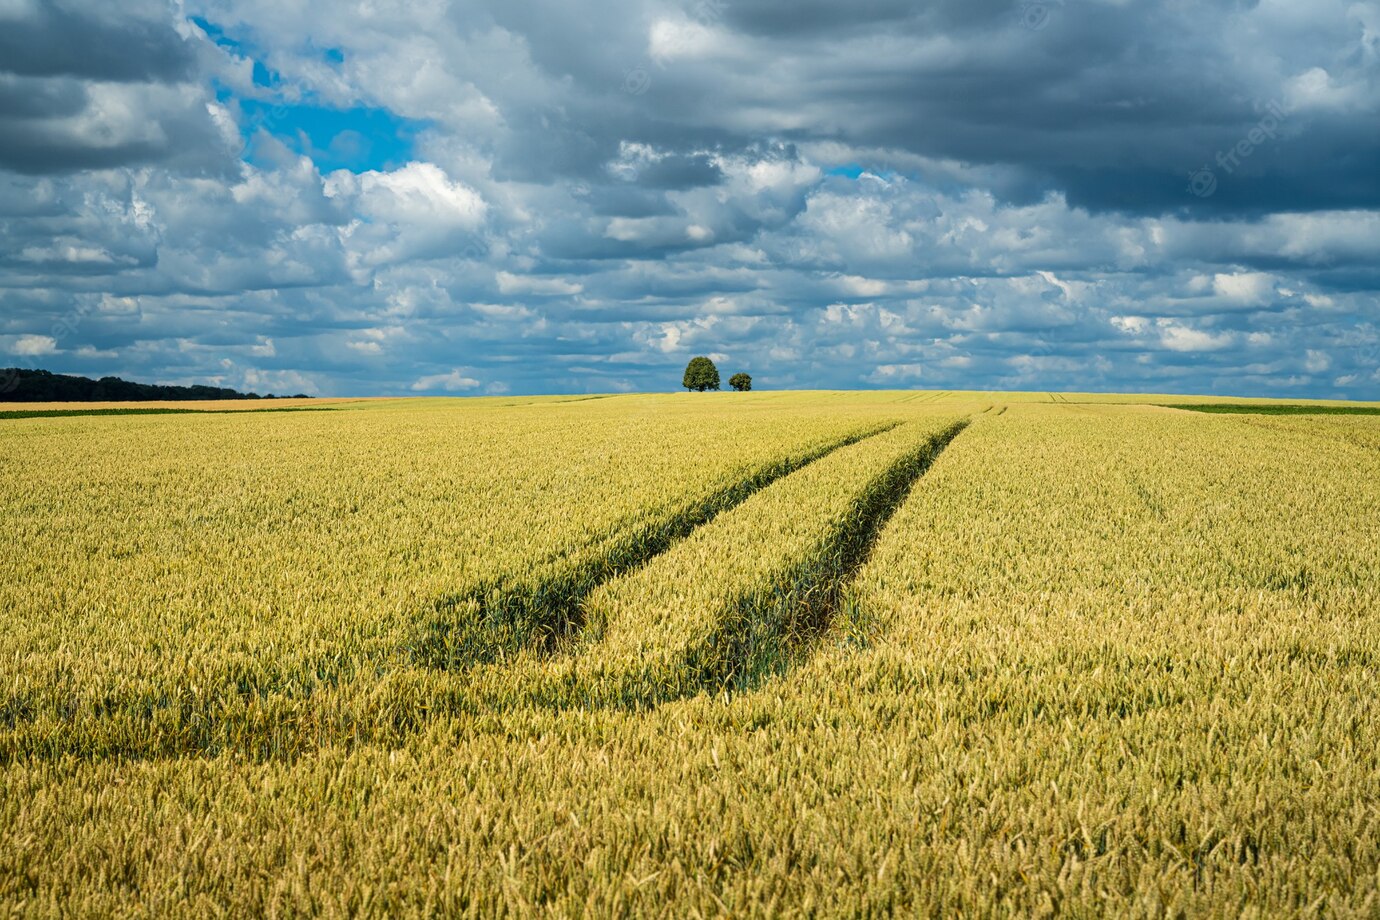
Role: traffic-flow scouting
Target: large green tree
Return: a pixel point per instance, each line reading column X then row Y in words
column 700, row 375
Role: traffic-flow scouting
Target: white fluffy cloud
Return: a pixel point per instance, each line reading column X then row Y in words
column 452, row 382
column 31, row 345
column 1177, row 337
column 416, row 212
column 1250, row 289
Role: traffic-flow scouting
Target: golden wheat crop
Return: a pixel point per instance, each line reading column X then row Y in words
column 678, row 656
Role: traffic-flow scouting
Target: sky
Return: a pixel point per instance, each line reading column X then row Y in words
column 406, row 197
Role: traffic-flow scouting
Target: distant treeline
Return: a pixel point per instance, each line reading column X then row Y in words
column 19, row 385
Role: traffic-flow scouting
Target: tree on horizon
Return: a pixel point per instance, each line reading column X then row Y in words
column 700, row 375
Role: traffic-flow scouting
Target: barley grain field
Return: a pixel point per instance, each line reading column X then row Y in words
column 766, row 654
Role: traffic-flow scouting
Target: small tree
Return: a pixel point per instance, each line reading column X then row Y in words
column 741, row 382
column 701, row 375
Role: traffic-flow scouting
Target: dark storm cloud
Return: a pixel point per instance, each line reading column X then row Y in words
column 100, row 41
column 21, row 98
column 37, row 149
column 1114, row 105
column 91, row 85
column 675, row 172
column 626, row 199
column 817, row 18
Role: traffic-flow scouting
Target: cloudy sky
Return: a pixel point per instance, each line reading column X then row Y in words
column 420, row 196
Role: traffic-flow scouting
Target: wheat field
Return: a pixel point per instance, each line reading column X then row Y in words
column 767, row 654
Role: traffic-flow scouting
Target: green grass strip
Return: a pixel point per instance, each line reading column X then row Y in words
column 1274, row 409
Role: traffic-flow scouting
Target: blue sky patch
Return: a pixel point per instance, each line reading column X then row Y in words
column 265, row 77
column 357, row 139
column 217, row 34
column 856, row 171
